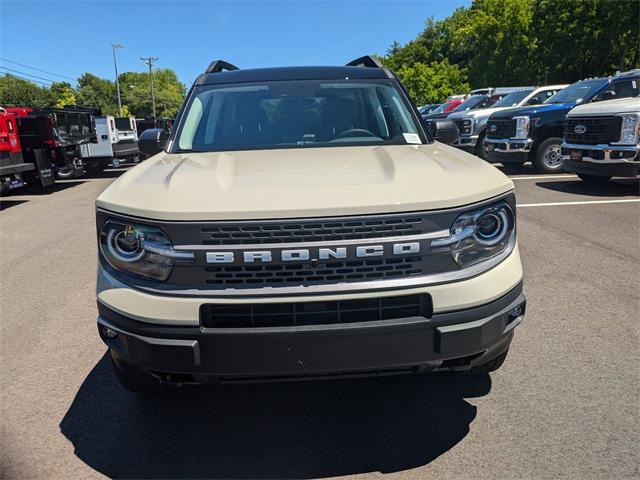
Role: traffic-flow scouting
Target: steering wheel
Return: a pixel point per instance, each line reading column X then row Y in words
column 355, row 132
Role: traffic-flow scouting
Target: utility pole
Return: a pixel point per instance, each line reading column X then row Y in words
column 148, row 61
column 115, row 66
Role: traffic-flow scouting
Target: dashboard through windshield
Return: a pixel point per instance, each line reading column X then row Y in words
column 286, row 114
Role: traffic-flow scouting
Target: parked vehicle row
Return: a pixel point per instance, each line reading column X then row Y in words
column 534, row 133
column 38, row 146
column 530, row 124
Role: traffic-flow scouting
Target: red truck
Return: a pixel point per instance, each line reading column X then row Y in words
column 12, row 165
column 58, row 132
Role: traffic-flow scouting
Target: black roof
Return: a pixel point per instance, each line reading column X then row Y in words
column 292, row 73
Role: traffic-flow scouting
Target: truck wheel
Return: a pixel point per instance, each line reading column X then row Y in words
column 140, row 383
column 490, row 366
column 480, row 150
column 593, row 179
column 548, row 158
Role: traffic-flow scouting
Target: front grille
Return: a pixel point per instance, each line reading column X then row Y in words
column 504, row 128
column 597, row 130
column 461, row 127
column 330, row 272
column 314, row 313
column 310, row 231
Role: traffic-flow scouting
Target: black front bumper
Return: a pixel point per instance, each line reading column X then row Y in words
column 456, row 340
column 622, row 169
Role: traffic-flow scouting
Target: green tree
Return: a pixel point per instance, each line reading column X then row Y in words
column 15, row 92
column 98, row 92
column 495, row 43
column 584, row 38
column 169, row 92
column 62, row 94
column 434, row 82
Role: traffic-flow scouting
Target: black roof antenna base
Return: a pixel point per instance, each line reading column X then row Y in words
column 365, row 61
column 220, row 65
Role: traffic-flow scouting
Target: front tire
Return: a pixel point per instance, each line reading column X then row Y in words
column 548, row 157
column 480, row 150
column 593, row 179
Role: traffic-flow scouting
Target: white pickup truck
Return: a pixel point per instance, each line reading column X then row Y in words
column 117, row 139
column 602, row 140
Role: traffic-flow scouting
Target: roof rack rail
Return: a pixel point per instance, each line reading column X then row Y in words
column 220, row 65
column 365, row 61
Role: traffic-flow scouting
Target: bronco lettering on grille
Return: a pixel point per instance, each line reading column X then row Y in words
column 313, row 254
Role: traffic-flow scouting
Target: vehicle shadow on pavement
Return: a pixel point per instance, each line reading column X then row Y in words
column 613, row 188
column 283, row 430
column 4, row 204
column 34, row 188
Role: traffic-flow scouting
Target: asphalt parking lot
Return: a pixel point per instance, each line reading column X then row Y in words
column 565, row 404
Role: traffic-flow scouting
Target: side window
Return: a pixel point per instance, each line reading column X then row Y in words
column 620, row 89
column 543, row 96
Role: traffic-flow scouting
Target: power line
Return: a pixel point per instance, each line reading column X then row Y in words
column 27, row 79
column 37, row 69
column 27, row 74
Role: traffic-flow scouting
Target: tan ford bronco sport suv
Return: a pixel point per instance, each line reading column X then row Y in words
column 300, row 223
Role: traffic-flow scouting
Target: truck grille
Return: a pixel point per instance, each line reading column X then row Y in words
column 330, row 272
column 310, row 231
column 314, row 313
column 504, row 128
column 597, row 130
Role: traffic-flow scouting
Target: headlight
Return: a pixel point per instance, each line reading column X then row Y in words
column 522, row 127
column 467, row 126
column 630, row 129
column 138, row 249
column 479, row 235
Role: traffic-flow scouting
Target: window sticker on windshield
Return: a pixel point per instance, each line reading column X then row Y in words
column 412, row 138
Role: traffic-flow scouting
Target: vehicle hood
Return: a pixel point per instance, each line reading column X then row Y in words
column 536, row 109
column 608, row 107
column 302, row 182
column 479, row 113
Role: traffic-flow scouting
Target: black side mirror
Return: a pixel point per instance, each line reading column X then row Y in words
column 445, row 131
column 533, row 101
column 152, row 141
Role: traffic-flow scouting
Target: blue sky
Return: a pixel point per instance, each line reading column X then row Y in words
column 68, row 37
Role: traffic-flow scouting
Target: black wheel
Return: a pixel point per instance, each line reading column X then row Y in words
column 512, row 167
column 480, row 150
column 137, row 382
column 548, row 157
column 593, row 179
column 490, row 366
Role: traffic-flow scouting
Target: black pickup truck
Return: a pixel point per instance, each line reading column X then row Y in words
column 534, row 133
column 58, row 131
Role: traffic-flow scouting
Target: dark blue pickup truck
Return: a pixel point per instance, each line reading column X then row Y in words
column 534, row 134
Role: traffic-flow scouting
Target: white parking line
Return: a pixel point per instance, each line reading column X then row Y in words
column 547, row 177
column 586, row 202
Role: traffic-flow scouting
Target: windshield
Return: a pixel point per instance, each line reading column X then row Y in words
column 577, row 92
column 284, row 114
column 471, row 103
column 513, row 99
